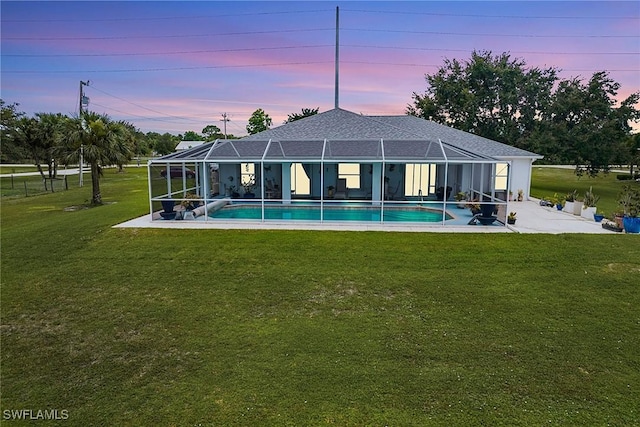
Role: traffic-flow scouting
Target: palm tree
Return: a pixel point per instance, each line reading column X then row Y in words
column 49, row 133
column 102, row 142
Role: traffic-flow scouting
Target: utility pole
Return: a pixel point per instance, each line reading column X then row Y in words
column 337, row 84
column 225, row 119
column 84, row 101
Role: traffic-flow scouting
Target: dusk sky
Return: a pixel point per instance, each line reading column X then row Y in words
column 178, row 66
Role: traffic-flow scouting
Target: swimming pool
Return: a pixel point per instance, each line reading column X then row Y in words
column 330, row 213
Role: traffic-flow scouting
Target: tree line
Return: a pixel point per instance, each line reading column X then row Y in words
column 497, row 97
column 567, row 121
column 49, row 140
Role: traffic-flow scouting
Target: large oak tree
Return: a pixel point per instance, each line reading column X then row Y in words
column 500, row 98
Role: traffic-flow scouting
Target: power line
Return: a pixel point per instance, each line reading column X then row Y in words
column 164, row 18
column 248, row 49
column 136, row 70
column 158, row 119
column 484, row 16
column 141, row 70
column 440, row 65
column 385, row 12
column 185, row 121
column 239, row 33
column 136, row 105
column 446, row 33
column 430, row 49
column 468, row 50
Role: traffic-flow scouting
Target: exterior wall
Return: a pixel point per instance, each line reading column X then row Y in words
column 521, row 176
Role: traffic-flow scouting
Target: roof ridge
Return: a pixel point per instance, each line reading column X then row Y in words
column 394, row 126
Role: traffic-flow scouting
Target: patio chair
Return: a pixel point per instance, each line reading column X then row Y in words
column 391, row 195
column 342, row 192
column 272, row 190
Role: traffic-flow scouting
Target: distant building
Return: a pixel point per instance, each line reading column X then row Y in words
column 186, row 145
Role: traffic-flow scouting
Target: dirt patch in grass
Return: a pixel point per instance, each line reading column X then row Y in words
column 76, row 208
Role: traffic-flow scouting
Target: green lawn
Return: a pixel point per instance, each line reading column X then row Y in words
column 216, row 328
column 547, row 181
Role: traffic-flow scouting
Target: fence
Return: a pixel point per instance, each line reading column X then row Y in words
column 25, row 186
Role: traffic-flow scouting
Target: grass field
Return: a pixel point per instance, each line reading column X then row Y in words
column 216, row 328
column 547, row 181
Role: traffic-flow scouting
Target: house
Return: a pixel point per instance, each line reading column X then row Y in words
column 186, row 145
column 377, row 161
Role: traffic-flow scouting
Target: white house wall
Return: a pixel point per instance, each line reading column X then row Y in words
column 520, row 176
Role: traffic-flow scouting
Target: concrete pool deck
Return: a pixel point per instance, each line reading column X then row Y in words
column 531, row 218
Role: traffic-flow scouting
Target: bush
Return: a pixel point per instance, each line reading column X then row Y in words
column 625, row 177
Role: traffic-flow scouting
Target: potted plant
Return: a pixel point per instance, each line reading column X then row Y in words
column 511, row 218
column 520, row 195
column 461, row 197
column 474, row 206
column 570, row 201
column 611, row 225
column 190, row 201
column 167, row 206
column 249, row 186
column 598, row 217
column 331, row 189
column 618, row 217
column 589, row 204
column 577, row 207
column 629, row 200
column 558, row 201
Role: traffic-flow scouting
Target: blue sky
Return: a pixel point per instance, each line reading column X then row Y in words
column 178, row 66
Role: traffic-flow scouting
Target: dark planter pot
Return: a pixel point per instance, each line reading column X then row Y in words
column 631, row 224
column 440, row 193
column 168, row 205
column 598, row 217
column 487, row 220
column 249, row 195
column 559, row 206
column 511, row 221
column 168, row 215
column 487, row 210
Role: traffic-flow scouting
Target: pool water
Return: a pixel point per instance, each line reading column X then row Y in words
column 342, row 213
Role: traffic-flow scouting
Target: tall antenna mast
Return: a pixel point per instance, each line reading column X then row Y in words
column 337, row 84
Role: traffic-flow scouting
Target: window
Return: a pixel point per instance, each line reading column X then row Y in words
column 300, row 182
column 501, row 176
column 420, row 179
column 350, row 172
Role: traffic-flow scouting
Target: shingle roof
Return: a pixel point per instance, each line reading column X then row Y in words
column 346, row 125
column 350, row 135
column 451, row 136
column 333, row 124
